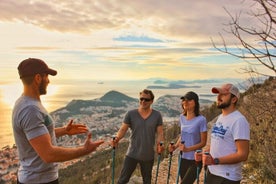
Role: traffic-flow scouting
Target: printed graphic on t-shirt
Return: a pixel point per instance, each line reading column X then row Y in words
column 219, row 131
column 47, row 120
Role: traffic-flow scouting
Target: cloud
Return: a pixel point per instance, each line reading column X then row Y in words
column 118, row 38
column 130, row 38
column 37, row 48
column 175, row 18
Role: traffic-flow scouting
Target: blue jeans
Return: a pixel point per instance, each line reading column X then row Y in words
column 130, row 165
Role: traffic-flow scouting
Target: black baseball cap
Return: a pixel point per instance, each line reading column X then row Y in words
column 32, row 66
column 190, row 96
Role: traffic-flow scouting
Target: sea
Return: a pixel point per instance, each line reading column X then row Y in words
column 61, row 93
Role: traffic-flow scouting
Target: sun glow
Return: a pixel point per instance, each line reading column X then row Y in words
column 52, row 90
column 10, row 92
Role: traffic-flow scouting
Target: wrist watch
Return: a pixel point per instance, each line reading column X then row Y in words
column 216, row 161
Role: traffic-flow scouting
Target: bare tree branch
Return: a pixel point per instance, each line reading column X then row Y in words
column 262, row 50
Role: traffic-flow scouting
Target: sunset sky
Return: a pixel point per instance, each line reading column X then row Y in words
column 120, row 39
column 107, row 40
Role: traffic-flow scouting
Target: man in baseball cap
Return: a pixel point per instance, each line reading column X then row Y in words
column 32, row 66
column 230, row 137
column 227, row 88
column 35, row 132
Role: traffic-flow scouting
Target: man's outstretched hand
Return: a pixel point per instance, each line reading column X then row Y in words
column 90, row 145
column 72, row 129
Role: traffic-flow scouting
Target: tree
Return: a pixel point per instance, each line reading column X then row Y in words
column 257, row 42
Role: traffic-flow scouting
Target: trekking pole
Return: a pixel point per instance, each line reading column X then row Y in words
column 197, row 168
column 170, row 162
column 179, row 162
column 113, row 160
column 205, row 169
column 158, row 163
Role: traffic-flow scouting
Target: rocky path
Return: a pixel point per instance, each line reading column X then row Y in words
column 163, row 171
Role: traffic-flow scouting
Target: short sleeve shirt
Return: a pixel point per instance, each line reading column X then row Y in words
column 143, row 132
column 30, row 120
column 191, row 132
column 225, row 132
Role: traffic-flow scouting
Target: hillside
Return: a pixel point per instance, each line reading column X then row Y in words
column 112, row 99
column 259, row 106
column 115, row 97
column 104, row 115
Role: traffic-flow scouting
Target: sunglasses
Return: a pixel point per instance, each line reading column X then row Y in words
column 145, row 99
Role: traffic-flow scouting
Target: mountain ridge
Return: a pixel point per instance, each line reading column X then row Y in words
column 115, row 96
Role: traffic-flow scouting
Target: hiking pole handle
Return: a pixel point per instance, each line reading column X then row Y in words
column 179, row 162
column 160, row 144
column 206, row 153
column 199, row 151
column 197, row 167
column 170, row 162
column 182, row 142
column 171, row 143
column 114, row 138
column 205, row 169
column 113, row 159
column 158, row 162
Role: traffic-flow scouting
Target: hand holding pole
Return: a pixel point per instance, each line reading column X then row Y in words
column 205, row 169
column 170, row 162
column 179, row 162
column 113, row 159
column 158, row 162
column 197, row 160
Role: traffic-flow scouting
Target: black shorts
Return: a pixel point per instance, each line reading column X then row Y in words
column 52, row 182
column 211, row 178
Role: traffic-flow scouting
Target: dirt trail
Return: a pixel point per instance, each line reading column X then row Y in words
column 163, row 171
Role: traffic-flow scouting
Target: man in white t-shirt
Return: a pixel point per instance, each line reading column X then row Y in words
column 230, row 136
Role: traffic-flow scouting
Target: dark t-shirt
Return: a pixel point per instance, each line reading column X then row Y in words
column 143, row 132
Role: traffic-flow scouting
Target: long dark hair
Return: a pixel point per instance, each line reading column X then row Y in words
column 196, row 110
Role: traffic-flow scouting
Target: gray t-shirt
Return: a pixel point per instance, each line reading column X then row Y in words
column 143, row 132
column 30, row 120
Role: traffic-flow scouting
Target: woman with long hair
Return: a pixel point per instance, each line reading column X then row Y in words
column 193, row 136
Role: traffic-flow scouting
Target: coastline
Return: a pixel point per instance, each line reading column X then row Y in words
column 65, row 93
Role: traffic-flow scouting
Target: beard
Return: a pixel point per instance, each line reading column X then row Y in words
column 224, row 105
column 42, row 88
